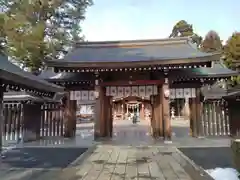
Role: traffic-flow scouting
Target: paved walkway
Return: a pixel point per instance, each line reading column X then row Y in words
column 131, row 154
column 129, row 163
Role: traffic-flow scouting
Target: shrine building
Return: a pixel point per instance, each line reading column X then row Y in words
column 141, row 76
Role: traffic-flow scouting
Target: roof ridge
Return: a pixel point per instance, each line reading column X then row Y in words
column 142, row 42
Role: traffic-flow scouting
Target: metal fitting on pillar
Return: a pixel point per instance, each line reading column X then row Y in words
column 165, row 80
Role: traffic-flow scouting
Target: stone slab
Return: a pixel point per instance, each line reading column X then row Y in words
column 128, row 163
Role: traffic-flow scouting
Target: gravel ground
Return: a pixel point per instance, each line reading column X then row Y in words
column 210, row 157
column 38, row 163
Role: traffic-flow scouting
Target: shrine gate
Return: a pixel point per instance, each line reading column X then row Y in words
column 139, row 67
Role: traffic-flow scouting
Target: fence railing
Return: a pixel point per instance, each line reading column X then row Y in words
column 12, row 126
column 215, row 119
column 52, row 123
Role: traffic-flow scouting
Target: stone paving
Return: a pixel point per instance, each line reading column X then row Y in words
column 130, row 154
column 130, row 163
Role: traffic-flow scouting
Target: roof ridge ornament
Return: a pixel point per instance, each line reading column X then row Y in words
column 140, row 42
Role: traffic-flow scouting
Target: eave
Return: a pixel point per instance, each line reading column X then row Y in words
column 22, row 97
column 133, row 64
column 14, row 78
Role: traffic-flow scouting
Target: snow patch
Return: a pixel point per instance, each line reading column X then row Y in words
column 223, row 173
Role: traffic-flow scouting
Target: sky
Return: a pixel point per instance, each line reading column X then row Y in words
column 149, row 19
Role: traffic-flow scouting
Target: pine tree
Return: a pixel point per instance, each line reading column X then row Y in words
column 184, row 29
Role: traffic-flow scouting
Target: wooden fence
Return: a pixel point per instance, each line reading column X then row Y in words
column 215, row 119
column 52, row 121
column 13, row 127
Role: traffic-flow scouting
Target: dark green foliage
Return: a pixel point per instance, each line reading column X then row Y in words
column 231, row 54
column 183, row 29
column 37, row 30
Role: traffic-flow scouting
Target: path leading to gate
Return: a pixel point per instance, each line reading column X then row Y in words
column 129, row 163
column 127, row 133
column 132, row 150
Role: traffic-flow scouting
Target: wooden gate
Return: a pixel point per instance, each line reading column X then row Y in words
column 13, row 128
column 12, row 125
column 215, row 119
column 52, row 120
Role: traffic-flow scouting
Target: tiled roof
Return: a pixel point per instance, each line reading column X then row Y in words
column 133, row 51
column 213, row 92
column 14, row 74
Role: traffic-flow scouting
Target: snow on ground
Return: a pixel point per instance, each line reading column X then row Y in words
column 223, row 173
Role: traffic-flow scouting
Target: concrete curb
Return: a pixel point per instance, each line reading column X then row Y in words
column 196, row 172
column 70, row 171
column 83, row 156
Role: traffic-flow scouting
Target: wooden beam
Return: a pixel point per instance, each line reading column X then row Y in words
column 132, row 83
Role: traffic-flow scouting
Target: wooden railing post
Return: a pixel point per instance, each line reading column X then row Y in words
column 1, row 118
column 31, row 122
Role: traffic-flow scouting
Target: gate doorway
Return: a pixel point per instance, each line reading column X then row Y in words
column 180, row 118
column 131, row 112
column 180, row 111
column 132, row 106
column 113, row 106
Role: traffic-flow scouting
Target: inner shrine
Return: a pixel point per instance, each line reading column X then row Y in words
column 138, row 76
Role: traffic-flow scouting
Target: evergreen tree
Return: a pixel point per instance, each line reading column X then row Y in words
column 184, row 29
column 37, row 30
column 231, row 54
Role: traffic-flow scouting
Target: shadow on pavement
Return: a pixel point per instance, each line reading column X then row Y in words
column 180, row 131
column 210, row 157
column 40, row 157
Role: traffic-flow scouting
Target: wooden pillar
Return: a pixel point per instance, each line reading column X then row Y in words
column 234, row 117
column 70, row 119
column 193, row 117
column 199, row 113
column 31, row 122
column 166, row 111
column 111, row 116
column 142, row 112
column 1, row 117
column 108, row 116
column 196, row 115
column 157, row 115
column 100, row 112
column 160, row 112
column 97, row 112
column 153, row 117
